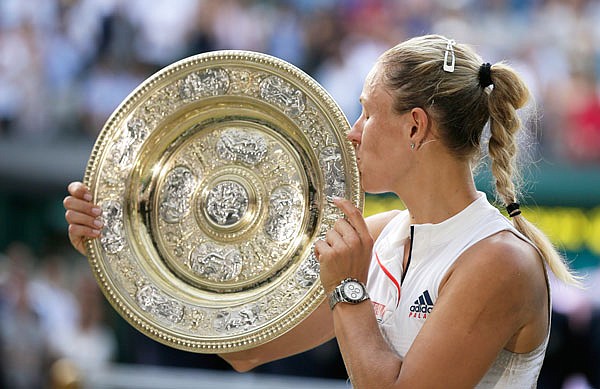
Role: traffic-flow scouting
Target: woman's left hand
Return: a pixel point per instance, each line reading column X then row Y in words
column 346, row 250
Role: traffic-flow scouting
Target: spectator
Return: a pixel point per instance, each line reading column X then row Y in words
column 23, row 354
column 91, row 346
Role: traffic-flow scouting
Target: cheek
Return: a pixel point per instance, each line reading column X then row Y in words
column 373, row 141
column 368, row 136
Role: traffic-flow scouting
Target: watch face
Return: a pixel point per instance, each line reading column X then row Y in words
column 353, row 291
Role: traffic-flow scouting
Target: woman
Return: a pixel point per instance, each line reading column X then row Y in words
column 459, row 294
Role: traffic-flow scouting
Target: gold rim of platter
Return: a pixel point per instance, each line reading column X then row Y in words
column 215, row 176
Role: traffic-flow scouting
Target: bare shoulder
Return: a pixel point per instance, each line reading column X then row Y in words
column 505, row 263
column 377, row 222
column 505, row 252
column 493, row 298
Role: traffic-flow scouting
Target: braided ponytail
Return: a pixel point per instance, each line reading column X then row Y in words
column 461, row 102
column 509, row 93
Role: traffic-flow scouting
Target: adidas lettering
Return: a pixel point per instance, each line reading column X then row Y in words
column 422, row 306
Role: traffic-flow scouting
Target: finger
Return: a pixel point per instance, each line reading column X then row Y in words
column 344, row 228
column 79, row 190
column 321, row 248
column 79, row 205
column 76, row 231
column 334, row 239
column 78, row 218
column 353, row 215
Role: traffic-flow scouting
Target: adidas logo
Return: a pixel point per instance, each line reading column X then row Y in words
column 422, row 306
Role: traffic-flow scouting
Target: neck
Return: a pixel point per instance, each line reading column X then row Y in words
column 438, row 190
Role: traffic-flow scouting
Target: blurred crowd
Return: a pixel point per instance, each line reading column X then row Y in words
column 52, row 326
column 65, row 65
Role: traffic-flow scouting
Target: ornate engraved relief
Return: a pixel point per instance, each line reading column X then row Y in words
column 216, row 263
column 126, row 147
column 308, row 272
column 112, row 238
column 333, row 169
column 197, row 319
column 242, row 82
column 210, row 82
column 280, row 93
column 312, row 124
column 151, row 300
column 174, row 201
column 284, row 213
column 236, row 321
column 226, row 203
column 237, row 145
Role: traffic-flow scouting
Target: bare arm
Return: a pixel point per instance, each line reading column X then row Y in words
column 501, row 279
column 84, row 220
column 312, row 332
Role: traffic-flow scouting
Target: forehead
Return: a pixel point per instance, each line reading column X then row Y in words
column 372, row 81
column 373, row 88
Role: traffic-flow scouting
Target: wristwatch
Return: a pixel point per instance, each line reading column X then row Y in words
column 350, row 291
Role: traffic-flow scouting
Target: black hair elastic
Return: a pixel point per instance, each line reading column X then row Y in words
column 485, row 75
column 513, row 209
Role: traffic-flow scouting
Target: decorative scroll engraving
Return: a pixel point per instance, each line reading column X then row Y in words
column 210, row 82
column 284, row 213
column 151, row 300
column 238, row 145
column 242, row 82
column 308, row 273
column 160, row 105
column 226, row 203
column 280, row 93
column 235, row 321
column 113, row 239
column 216, row 263
column 175, row 195
column 197, row 319
column 126, row 147
column 331, row 163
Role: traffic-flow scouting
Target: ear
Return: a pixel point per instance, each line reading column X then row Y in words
column 420, row 125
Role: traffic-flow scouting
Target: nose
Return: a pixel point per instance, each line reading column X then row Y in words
column 355, row 133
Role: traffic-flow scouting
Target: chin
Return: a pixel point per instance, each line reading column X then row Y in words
column 371, row 189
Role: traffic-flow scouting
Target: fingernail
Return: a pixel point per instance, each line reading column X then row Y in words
column 87, row 197
column 96, row 211
column 98, row 223
column 96, row 232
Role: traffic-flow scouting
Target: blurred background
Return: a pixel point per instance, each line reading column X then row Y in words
column 65, row 65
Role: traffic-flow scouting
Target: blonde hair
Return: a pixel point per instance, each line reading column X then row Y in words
column 413, row 72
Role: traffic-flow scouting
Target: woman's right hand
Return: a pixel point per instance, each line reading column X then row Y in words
column 82, row 215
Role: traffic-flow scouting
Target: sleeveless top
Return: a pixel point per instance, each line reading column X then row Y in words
column 402, row 302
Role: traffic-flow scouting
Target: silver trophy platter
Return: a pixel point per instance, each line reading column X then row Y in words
column 215, row 177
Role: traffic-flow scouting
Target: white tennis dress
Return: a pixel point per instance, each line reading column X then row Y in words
column 402, row 302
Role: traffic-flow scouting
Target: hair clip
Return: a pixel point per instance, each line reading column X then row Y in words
column 449, row 66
